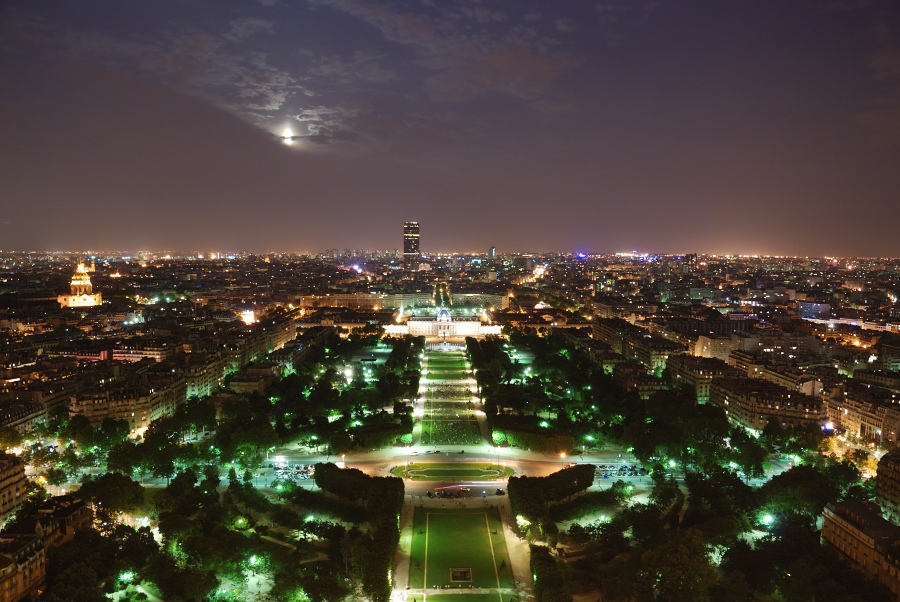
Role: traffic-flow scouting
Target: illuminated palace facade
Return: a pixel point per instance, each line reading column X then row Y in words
column 442, row 322
column 81, row 291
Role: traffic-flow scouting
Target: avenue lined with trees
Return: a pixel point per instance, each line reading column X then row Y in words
column 712, row 510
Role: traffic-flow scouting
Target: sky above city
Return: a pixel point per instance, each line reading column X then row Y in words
column 738, row 126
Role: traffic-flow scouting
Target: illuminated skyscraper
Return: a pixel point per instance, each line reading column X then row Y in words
column 410, row 244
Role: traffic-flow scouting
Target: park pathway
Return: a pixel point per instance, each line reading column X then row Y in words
column 446, row 414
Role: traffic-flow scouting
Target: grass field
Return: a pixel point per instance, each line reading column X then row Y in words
column 463, row 404
column 453, row 471
column 437, row 374
column 459, row 539
column 450, row 432
column 470, row 597
column 446, row 366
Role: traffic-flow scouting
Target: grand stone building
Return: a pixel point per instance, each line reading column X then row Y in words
column 81, row 290
column 862, row 537
column 12, row 485
column 752, row 402
column 138, row 402
column 887, row 485
column 443, row 326
column 402, row 301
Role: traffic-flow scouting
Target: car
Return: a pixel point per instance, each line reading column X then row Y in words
column 465, row 489
column 500, row 492
column 414, row 453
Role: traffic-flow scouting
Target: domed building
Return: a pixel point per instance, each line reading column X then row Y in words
column 82, row 291
column 445, row 323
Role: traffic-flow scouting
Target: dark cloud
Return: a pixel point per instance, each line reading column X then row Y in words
column 359, row 67
column 610, row 11
column 519, row 72
column 881, row 115
column 248, row 26
column 565, row 25
column 484, row 15
column 740, row 126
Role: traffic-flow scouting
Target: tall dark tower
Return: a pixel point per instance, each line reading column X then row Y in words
column 410, row 244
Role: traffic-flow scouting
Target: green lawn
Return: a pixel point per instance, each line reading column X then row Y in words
column 435, row 374
column 446, row 539
column 453, row 471
column 446, row 367
column 470, row 597
column 450, row 432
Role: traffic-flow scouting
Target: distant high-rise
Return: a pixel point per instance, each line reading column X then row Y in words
column 492, row 253
column 411, row 243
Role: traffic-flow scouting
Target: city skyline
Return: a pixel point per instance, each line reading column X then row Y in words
column 754, row 128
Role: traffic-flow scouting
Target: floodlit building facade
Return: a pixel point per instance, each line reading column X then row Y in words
column 752, row 402
column 81, row 290
column 887, row 485
column 12, row 485
column 864, row 538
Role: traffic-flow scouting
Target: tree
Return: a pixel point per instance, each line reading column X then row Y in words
column 174, row 582
column 750, row 456
column 162, row 462
column 124, row 457
column 111, row 432
column 802, row 490
column 645, row 522
column 621, row 577
column 10, row 438
column 680, row 569
column 756, row 565
column 388, row 387
column 114, row 492
column 340, row 442
column 80, row 430
column 55, row 476
column 842, row 475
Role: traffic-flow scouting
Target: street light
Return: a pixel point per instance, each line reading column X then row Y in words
column 562, row 457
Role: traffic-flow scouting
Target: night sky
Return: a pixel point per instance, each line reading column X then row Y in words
column 719, row 126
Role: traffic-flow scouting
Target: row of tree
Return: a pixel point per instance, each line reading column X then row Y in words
column 533, row 438
column 549, row 584
column 382, row 498
column 531, row 497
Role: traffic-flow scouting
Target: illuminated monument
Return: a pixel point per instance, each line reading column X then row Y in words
column 443, row 322
column 82, row 294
